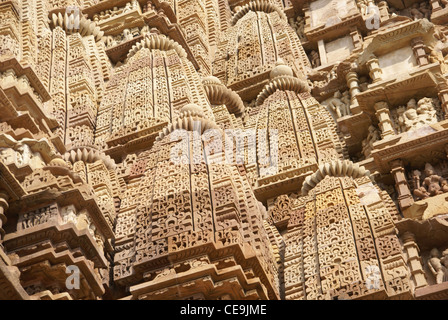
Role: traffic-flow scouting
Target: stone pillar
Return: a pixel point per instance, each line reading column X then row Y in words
column 414, row 261
column 307, row 17
column 435, row 5
column 384, row 10
column 383, row 115
column 418, row 46
column 443, row 97
column 322, row 52
column 375, row 71
column 356, row 38
column 3, row 207
column 353, row 85
column 405, row 199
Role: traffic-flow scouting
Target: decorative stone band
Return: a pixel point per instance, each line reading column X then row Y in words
column 86, row 26
column 218, row 93
column 157, row 41
column 282, row 83
column 258, row 6
column 335, row 168
column 89, row 155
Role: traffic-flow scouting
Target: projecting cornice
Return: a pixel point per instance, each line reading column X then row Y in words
column 9, row 183
column 396, row 37
column 218, row 93
column 335, row 168
column 67, row 22
column 89, row 155
column 258, row 6
column 188, row 123
column 157, row 41
column 282, row 78
column 191, row 119
column 282, row 83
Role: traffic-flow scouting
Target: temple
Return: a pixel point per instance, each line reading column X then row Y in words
column 223, row 149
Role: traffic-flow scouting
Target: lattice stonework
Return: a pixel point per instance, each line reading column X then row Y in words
column 217, row 149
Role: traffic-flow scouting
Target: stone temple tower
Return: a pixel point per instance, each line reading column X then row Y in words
column 223, row 149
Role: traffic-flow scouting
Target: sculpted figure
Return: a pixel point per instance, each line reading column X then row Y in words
column 444, row 185
column 426, row 111
column 410, row 116
column 292, row 23
column 415, row 12
column 110, row 41
column 8, row 155
column 339, row 104
column 91, row 228
column 417, row 115
column 444, row 259
column 432, row 185
column 127, row 35
column 98, row 239
column 25, row 221
column 432, row 181
column 334, row 104
column 439, row 271
column 68, row 215
column 314, row 59
column 145, row 30
column 300, row 27
column 23, row 154
column 401, row 119
column 346, row 100
column 424, row 9
column 367, row 143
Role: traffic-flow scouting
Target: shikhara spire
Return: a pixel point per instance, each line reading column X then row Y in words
column 223, row 149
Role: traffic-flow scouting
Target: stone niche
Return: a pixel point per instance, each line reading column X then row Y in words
column 339, row 49
column 429, row 187
column 397, row 62
column 330, row 12
column 435, row 265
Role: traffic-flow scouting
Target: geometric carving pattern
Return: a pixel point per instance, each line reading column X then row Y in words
column 106, row 165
